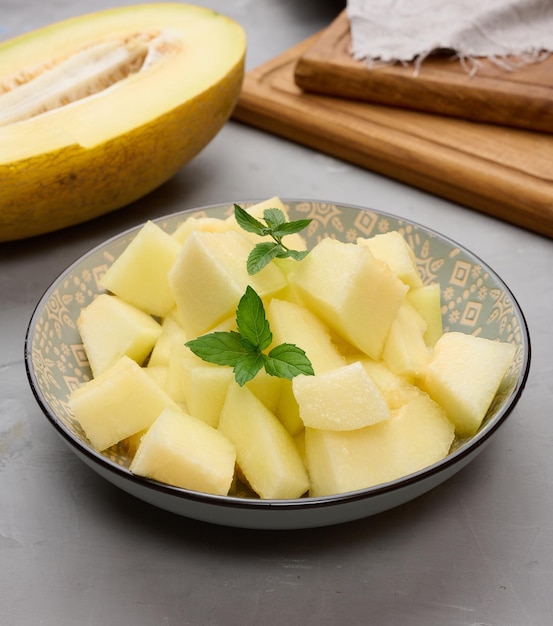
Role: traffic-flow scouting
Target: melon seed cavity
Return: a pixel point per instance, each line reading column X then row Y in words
column 86, row 73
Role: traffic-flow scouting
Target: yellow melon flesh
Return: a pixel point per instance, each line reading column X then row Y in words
column 183, row 451
column 345, row 398
column 265, row 451
column 405, row 351
column 464, row 375
column 209, row 224
column 288, row 410
column 180, row 70
column 415, row 436
column 293, row 323
column 158, row 373
column 396, row 389
column 257, row 211
column 171, row 331
column 352, row 291
column 392, row 248
column 111, row 328
column 120, row 402
column 267, row 389
column 210, row 276
column 427, row 301
column 139, row 274
column 202, row 386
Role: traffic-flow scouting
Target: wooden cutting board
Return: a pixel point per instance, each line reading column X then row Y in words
column 504, row 172
column 520, row 97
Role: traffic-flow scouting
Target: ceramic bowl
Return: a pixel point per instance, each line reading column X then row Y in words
column 475, row 300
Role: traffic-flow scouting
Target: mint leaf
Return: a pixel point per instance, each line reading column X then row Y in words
column 262, row 255
column 251, row 321
column 297, row 255
column 221, row 348
column 276, row 227
column 248, row 222
column 287, row 360
column 243, row 350
column 289, row 228
column 274, row 218
column 248, row 366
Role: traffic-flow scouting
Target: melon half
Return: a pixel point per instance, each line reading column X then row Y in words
column 98, row 110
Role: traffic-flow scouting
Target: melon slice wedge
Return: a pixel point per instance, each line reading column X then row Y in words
column 98, row 110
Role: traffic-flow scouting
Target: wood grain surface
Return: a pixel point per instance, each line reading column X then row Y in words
column 521, row 96
column 503, row 172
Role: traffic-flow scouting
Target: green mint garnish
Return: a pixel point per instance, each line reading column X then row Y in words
column 276, row 227
column 243, row 350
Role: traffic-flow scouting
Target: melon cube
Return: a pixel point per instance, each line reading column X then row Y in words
column 171, row 330
column 110, row 328
column 288, row 410
column 176, row 366
column 201, row 385
column 139, row 274
column 183, row 451
column 257, row 211
column 422, row 434
column 266, row 388
column 397, row 254
column 464, row 376
column 353, row 292
column 265, row 452
column 159, row 374
column 395, row 389
column 415, row 436
column 117, row 404
column 299, row 441
column 350, row 352
column 293, row 323
column 210, row 276
column 405, row 351
column 209, row 224
column 427, row 301
column 345, row 398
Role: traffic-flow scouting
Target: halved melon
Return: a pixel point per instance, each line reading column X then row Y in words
column 98, row 110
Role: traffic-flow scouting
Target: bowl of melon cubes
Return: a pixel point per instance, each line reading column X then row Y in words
column 277, row 364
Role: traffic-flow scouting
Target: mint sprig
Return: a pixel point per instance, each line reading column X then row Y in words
column 275, row 227
column 243, row 350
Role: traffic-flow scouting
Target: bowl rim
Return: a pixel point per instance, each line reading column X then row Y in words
column 461, row 453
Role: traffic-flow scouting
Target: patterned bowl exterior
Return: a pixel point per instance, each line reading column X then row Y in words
column 474, row 300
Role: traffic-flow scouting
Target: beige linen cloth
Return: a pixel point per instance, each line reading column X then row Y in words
column 409, row 30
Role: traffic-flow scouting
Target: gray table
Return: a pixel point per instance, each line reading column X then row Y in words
column 74, row 550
